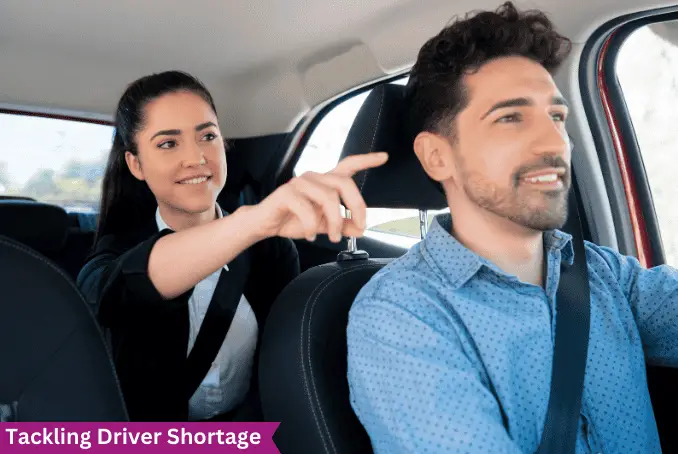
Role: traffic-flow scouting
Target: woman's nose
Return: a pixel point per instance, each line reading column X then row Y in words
column 194, row 157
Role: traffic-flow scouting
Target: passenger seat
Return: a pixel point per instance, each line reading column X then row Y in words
column 302, row 368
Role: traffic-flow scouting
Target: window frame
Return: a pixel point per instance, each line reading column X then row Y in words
column 52, row 116
column 635, row 219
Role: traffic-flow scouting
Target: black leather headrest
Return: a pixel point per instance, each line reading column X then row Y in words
column 401, row 182
column 40, row 226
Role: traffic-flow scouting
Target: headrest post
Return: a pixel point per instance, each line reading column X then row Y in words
column 423, row 223
column 352, row 243
column 352, row 252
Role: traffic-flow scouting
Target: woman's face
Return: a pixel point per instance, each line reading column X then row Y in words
column 181, row 154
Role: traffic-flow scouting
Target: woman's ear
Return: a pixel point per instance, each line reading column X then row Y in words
column 134, row 165
column 435, row 155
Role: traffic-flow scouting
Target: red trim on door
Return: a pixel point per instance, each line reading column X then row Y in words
column 637, row 219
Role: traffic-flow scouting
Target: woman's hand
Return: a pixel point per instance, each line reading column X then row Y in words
column 311, row 203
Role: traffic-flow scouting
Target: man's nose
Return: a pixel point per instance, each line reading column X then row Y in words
column 551, row 138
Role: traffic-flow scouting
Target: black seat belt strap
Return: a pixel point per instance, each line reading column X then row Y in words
column 217, row 322
column 572, row 326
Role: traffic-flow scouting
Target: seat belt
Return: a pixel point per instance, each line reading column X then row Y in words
column 217, row 322
column 573, row 313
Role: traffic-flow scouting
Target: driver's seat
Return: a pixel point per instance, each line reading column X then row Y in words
column 303, row 362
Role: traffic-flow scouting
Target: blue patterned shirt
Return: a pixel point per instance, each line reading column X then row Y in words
column 441, row 341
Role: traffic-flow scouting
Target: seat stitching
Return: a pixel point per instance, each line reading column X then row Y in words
column 324, row 284
column 374, row 136
column 331, row 279
column 31, row 252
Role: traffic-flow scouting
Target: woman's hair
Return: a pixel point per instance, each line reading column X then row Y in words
column 124, row 199
column 436, row 89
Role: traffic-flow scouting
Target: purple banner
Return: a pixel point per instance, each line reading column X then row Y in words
column 207, row 437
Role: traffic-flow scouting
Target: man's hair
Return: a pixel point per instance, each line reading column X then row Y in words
column 436, row 91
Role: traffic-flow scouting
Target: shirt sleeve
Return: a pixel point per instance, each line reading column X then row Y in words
column 653, row 296
column 413, row 387
column 113, row 278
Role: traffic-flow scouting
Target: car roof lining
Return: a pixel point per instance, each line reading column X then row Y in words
column 267, row 63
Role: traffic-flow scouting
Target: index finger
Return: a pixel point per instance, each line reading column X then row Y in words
column 351, row 165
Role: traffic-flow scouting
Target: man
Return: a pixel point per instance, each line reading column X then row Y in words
column 450, row 347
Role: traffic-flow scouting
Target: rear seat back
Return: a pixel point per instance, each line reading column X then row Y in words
column 41, row 226
column 79, row 242
column 49, row 230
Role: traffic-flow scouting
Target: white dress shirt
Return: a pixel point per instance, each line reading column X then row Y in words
column 228, row 380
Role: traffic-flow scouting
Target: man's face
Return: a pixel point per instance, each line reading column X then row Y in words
column 510, row 150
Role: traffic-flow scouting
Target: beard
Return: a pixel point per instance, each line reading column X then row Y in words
column 526, row 206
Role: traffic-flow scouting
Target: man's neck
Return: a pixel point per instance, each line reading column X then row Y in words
column 513, row 248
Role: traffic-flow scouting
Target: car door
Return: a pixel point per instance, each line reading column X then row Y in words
column 629, row 79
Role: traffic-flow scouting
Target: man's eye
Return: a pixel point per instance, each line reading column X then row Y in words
column 512, row 118
column 558, row 117
column 209, row 137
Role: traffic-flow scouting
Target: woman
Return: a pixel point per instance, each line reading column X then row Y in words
column 181, row 286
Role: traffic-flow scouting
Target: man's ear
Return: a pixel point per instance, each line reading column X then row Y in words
column 435, row 155
column 134, row 165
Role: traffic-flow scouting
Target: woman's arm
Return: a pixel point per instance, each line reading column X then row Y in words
column 179, row 261
column 304, row 207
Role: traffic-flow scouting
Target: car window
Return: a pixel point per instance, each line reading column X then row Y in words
column 399, row 227
column 646, row 70
column 53, row 160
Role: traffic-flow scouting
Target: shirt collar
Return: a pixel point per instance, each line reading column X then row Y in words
column 459, row 264
column 162, row 225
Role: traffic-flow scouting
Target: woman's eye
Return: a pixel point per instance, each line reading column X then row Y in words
column 512, row 118
column 209, row 136
column 167, row 144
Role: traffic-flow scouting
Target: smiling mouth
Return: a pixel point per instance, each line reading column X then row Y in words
column 196, row 180
column 544, row 182
column 545, row 178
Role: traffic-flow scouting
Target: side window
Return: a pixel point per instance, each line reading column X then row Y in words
column 395, row 226
column 646, row 70
column 51, row 160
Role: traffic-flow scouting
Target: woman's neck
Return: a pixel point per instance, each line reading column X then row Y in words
column 179, row 220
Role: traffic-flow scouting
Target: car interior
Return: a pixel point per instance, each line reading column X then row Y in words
column 297, row 85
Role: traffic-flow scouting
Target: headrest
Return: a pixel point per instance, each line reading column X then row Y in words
column 401, row 182
column 40, row 226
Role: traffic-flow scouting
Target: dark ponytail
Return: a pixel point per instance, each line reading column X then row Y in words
column 126, row 201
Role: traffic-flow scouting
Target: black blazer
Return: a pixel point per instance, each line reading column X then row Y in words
column 148, row 334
